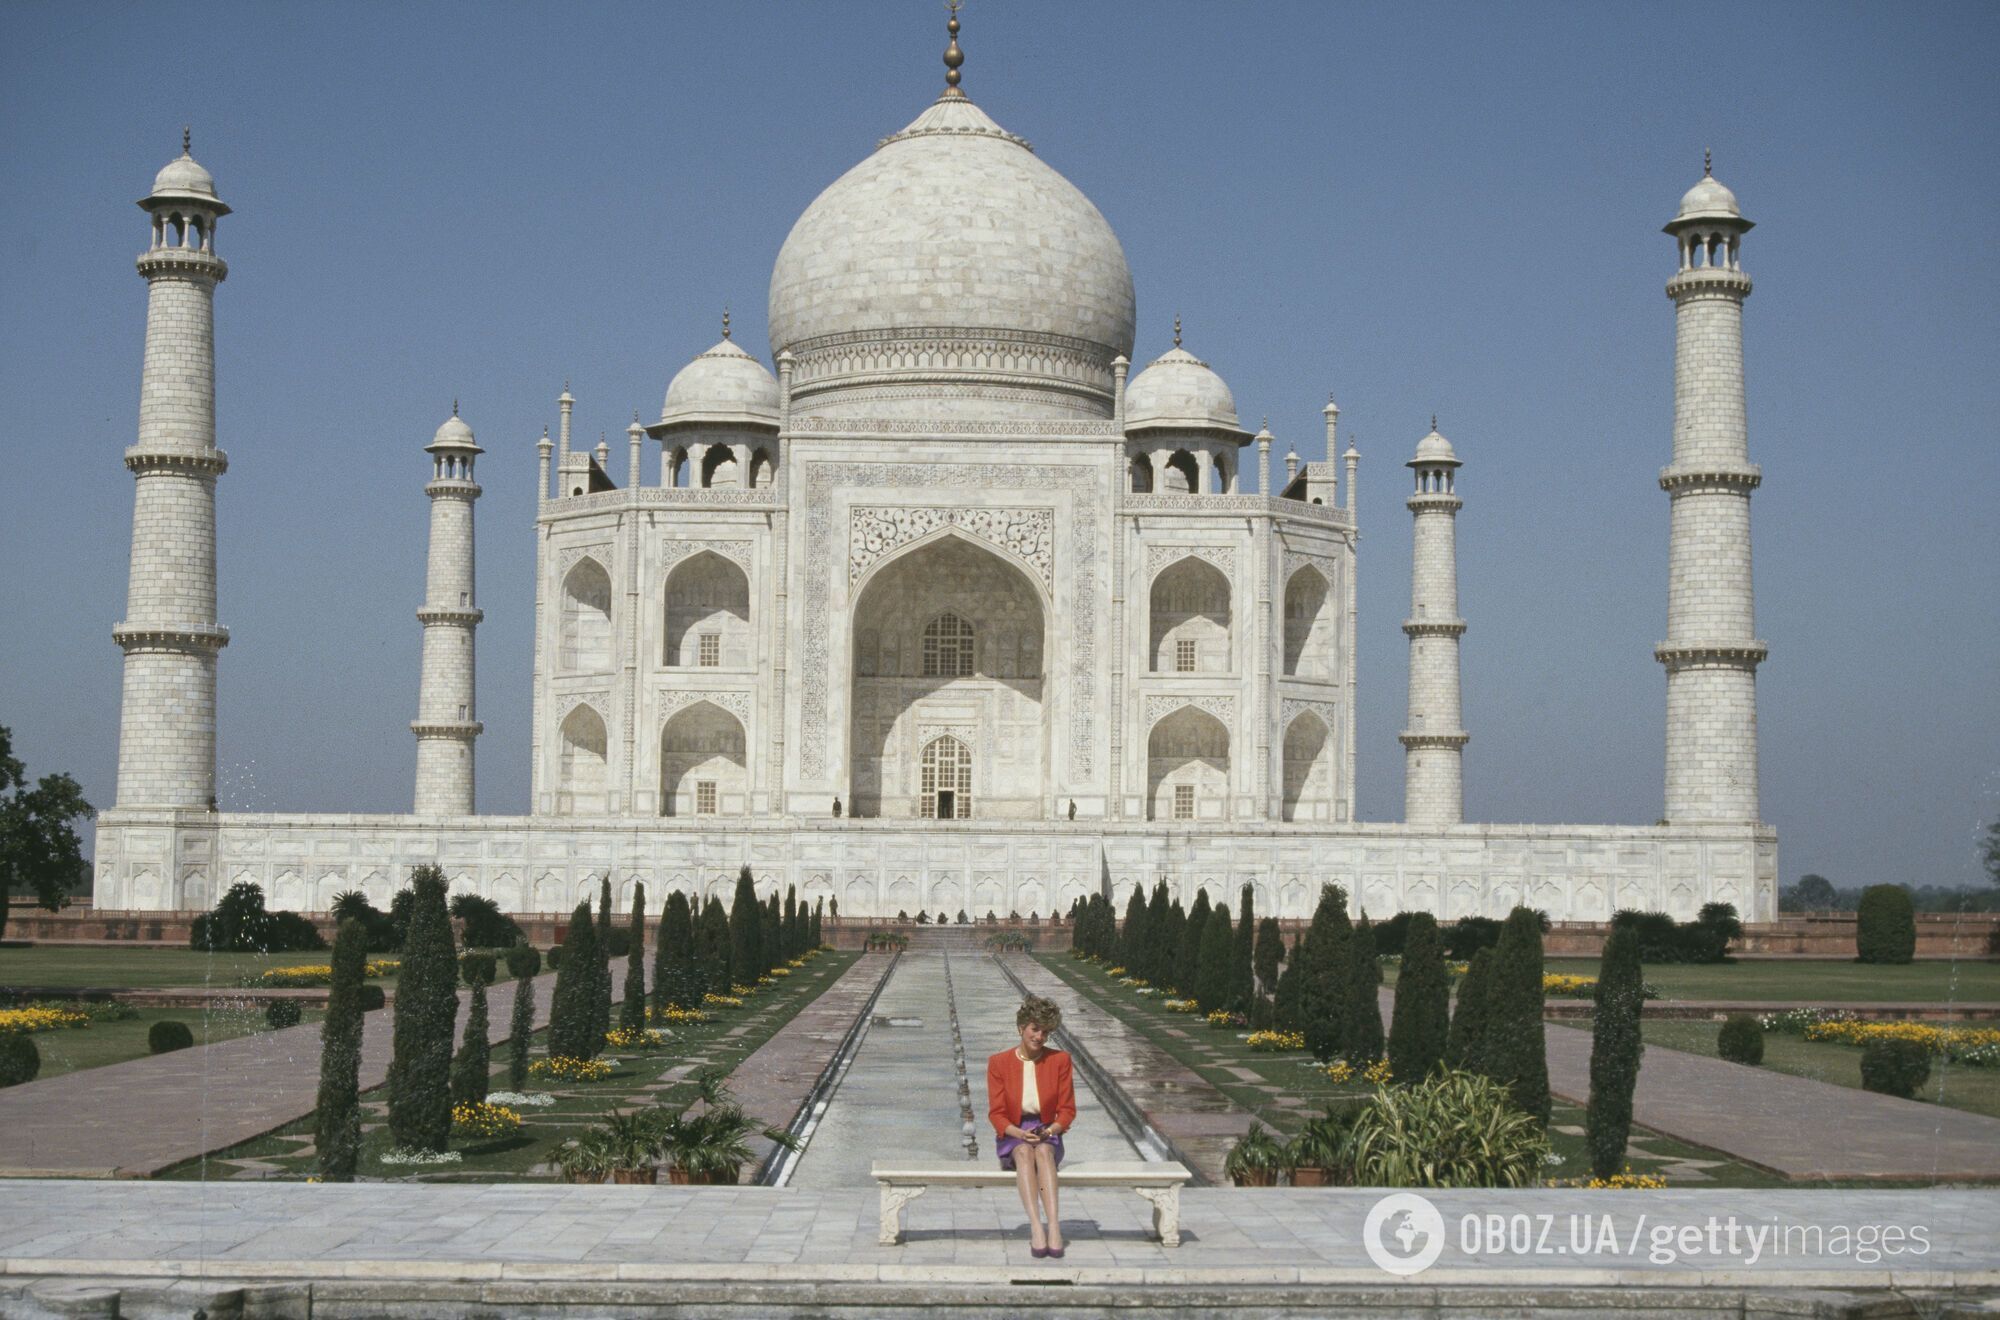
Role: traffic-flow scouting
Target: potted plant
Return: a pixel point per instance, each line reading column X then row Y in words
column 632, row 1142
column 584, row 1159
column 1255, row 1159
column 1318, row 1154
column 713, row 1146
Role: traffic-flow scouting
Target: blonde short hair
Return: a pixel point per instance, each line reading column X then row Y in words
column 1041, row 1012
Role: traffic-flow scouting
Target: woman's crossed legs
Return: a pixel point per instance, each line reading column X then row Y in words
column 1035, row 1179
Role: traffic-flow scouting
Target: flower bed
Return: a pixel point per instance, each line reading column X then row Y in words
column 1978, row 1046
column 1180, row 1006
column 484, row 1120
column 42, row 1017
column 1277, row 1040
column 639, row 1038
column 1627, row 1181
column 1222, row 1018
column 313, row 975
column 421, row 1157
column 565, row 1069
column 679, row 1016
column 1340, row 1072
column 518, row 1100
column 1568, row 987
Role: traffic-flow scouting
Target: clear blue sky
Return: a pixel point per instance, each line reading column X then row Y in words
column 1416, row 207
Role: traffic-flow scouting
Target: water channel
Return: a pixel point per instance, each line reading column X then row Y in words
column 900, row 1098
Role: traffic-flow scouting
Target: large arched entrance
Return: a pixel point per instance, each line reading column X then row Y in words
column 949, row 640
column 702, row 771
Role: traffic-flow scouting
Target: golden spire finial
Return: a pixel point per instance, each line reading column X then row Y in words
column 1177, row 331
column 953, row 56
column 725, row 323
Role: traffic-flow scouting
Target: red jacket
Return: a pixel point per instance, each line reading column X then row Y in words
column 1053, row 1082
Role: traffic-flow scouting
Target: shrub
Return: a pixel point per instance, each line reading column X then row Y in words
column 1324, row 998
column 477, row 968
column 471, row 1071
column 522, row 960
column 1242, row 953
column 1894, row 1066
column 569, row 1011
column 632, row 1007
column 746, row 932
column 1468, row 935
column 426, row 1013
column 519, row 1028
column 239, row 924
column 166, row 1036
column 1421, row 1019
column 1885, row 926
column 382, row 933
column 600, row 984
column 337, row 1115
column 1393, row 935
column 1452, row 1129
column 1211, row 976
column 484, row 924
column 373, row 997
column 20, row 1061
column 619, row 945
column 1741, row 1040
column 712, row 942
column 1615, row 1049
column 1664, row 940
column 282, row 1013
column 1361, row 1007
column 1256, row 1157
column 556, row 956
column 1516, row 1051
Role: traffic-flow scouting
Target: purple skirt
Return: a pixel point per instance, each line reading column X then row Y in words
column 1006, row 1146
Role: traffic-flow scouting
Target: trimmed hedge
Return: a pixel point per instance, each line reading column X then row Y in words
column 1894, row 1067
column 282, row 1013
column 373, row 997
column 166, row 1036
column 1741, row 1040
column 522, row 960
column 1885, row 925
column 20, row 1061
column 477, row 968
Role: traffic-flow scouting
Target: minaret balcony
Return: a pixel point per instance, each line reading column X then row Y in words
column 1434, row 627
column 1434, row 502
column 205, row 638
column 1446, row 741
column 1711, row 281
column 198, row 462
column 453, row 614
column 1677, row 656
column 463, row 729
column 1711, row 476
column 182, row 261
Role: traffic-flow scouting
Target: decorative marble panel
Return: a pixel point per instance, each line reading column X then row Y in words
column 673, row 550
column 874, row 532
column 1159, row 557
column 1222, row 707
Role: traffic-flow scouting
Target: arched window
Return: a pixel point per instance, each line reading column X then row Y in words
column 1142, row 475
column 947, row 780
column 1190, row 619
column 719, row 468
column 583, row 762
column 1308, row 769
column 708, row 614
column 1308, row 626
column 586, row 618
column 1183, row 474
column 948, row 648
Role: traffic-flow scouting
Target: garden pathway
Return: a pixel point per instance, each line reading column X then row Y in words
column 133, row 1119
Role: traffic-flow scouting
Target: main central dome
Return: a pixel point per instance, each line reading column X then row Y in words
column 952, row 273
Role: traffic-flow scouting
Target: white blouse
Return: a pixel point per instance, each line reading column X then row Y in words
column 1031, row 1096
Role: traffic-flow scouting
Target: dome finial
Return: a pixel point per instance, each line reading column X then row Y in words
column 1434, row 421
column 1707, row 164
column 725, row 323
column 953, row 56
column 454, row 405
column 187, row 139
column 1177, row 331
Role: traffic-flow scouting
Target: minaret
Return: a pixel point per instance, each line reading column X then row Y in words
column 447, row 711
column 166, row 733
column 1433, row 741
column 1711, row 652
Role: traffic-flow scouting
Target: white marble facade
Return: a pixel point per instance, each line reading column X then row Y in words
column 944, row 612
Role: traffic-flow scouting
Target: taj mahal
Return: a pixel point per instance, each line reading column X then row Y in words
column 947, row 605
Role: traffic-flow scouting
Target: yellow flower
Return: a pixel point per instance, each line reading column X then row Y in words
column 1340, row 1072
column 680, row 1015
column 638, row 1039
column 566, row 1069
column 41, row 1017
column 483, row 1120
column 1180, row 1005
column 1377, row 1072
column 1277, row 1040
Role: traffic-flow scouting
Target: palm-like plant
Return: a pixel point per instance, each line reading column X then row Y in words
column 713, row 1146
column 585, row 1159
column 1453, row 1129
column 1318, row 1155
column 1255, row 1159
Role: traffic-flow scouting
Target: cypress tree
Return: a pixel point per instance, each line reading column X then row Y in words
column 1132, row 935
column 792, row 949
column 1242, row 963
column 1187, row 960
column 1615, row 1048
column 471, row 1071
column 600, row 1020
column 1516, row 1053
column 1465, row 1044
column 1322, row 990
column 1159, row 933
column 746, row 933
column 815, row 937
column 674, row 972
column 1289, row 1001
column 1211, row 975
column 1421, row 1019
column 1269, row 955
column 426, row 1015
column 337, row 1116
column 519, row 1028
column 571, row 1012
column 1361, row 1008
column 773, row 934
column 632, row 1013
column 714, row 942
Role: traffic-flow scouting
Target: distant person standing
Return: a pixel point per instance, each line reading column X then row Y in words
column 1031, row 1100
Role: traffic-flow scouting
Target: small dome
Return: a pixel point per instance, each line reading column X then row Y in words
column 1434, row 449
column 454, row 434
column 1709, row 200
column 1180, row 390
column 183, row 179
column 723, row 387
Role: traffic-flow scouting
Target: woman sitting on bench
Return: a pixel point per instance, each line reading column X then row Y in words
column 1031, row 1099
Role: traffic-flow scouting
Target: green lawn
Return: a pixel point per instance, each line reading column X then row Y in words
column 1974, row 1089
column 114, row 1042
column 725, row 1040
column 1816, row 982
column 74, row 966
column 1651, row 1151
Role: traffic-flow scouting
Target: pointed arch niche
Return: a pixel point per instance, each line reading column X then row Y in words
column 949, row 633
column 708, row 596
column 1308, row 777
column 584, row 644
column 703, row 770
column 1189, row 611
column 581, row 763
column 1309, row 622
column 1187, row 756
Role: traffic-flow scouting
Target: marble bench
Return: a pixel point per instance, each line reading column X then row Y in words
column 1158, row 1183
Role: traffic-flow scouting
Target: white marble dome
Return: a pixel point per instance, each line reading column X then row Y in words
column 723, row 387
column 1708, row 200
column 1434, row 449
column 1178, row 389
column 952, row 263
column 183, row 177
column 454, row 434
